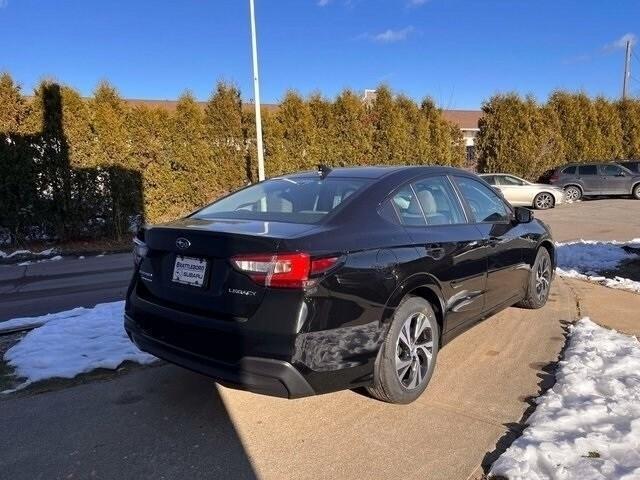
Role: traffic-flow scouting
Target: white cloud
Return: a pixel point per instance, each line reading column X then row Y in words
column 622, row 41
column 389, row 35
column 320, row 3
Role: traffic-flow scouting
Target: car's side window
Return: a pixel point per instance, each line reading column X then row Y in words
column 408, row 207
column 611, row 170
column 490, row 179
column 588, row 170
column 570, row 170
column 508, row 180
column 484, row 203
column 438, row 201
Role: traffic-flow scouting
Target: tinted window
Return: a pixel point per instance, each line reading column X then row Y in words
column 296, row 200
column 408, row 207
column 611, row 170
column 490, row 179
column 633, row 166
column 485, row 204
column 438, row 201
column 570, row 170
column 588, row 170
column 508, row 180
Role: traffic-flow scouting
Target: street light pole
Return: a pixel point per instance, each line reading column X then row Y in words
column 256, row 93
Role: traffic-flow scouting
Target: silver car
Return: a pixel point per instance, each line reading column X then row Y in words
column 520, row 192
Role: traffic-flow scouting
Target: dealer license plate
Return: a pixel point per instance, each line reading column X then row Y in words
column 190, row 271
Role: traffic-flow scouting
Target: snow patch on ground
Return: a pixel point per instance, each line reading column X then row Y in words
column 72, row 342
column 30, row 262
column 588, row 425
column 616, row 282
column 23, row 322
column 591, row 256
column 586, row 259
column 48, row 251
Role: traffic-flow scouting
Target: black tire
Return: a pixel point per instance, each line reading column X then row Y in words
column 636, row 192
column 400, row 385
column 572, row 193
column 537, row 289
column 544, row 201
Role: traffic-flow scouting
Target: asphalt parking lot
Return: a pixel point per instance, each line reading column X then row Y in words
column 165, row 422
column 594, row 219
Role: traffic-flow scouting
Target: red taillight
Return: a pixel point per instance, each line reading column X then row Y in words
column 321, row 265
column 284, row 270
column 554, row 177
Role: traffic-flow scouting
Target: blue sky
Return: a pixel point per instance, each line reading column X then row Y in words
column 459, row 52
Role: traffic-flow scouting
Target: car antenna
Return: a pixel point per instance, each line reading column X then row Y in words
column 323, row 171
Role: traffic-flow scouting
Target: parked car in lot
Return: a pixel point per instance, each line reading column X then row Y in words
column 519, row 192
column 588, row 179
column 320, row 281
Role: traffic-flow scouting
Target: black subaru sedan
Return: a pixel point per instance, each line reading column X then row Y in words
column 333, row 279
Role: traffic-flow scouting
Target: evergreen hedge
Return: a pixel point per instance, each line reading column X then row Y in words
column 72, row 167
column 521, row 136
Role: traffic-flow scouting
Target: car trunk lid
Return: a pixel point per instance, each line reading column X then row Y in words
column 215, row 289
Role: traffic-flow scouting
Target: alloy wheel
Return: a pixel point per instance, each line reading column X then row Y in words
column 544, row 201
column 572, row 194
column 543, row 278
column 414, row 350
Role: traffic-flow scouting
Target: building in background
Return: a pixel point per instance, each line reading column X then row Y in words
column 468, row 121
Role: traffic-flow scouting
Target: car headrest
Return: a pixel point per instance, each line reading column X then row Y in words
column 427, row 201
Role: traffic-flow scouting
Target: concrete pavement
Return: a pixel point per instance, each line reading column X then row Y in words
column 481, row 388
column 164, row 422
column 617, row 309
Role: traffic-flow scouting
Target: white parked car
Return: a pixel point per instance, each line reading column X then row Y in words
column 519, row 192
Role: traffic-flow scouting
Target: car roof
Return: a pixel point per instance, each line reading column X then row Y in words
column 376, row 172
column 603, row 162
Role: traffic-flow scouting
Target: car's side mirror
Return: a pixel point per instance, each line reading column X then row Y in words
column 523, row 215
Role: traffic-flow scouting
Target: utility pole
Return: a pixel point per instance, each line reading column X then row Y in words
column 256, row 93
column 627, row 70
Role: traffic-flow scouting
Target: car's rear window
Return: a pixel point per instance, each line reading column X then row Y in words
column 569, row 170
column 295, row 200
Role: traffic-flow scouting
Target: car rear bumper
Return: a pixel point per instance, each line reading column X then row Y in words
column 260, row 375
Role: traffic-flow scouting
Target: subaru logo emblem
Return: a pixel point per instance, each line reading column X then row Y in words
column 183, row 243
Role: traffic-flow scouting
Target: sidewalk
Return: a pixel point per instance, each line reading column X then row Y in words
column 617, row 309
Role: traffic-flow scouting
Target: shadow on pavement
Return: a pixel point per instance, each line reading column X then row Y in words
column 161, row 422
